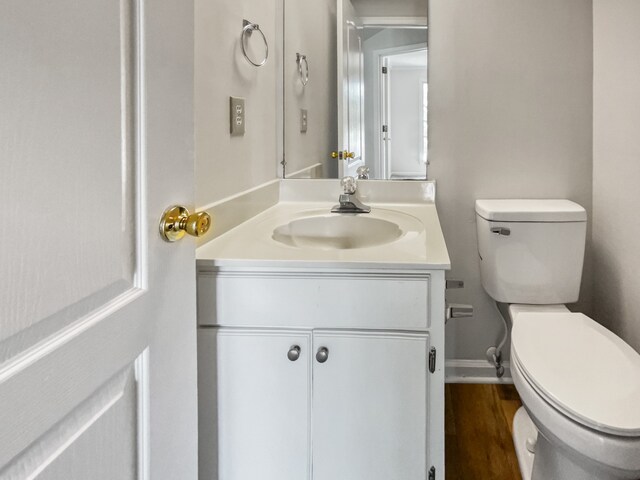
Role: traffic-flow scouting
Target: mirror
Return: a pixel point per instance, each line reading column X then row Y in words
column 355, row 89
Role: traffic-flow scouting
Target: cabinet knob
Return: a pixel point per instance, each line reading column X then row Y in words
column 322, row 355
column 294, row 353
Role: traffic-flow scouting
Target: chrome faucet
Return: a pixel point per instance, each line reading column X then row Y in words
column 348, row 201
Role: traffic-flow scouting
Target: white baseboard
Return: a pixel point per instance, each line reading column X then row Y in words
column 474, row 371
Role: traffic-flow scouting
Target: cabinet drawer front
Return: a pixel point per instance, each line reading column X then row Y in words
column 373, row 301
column 254, row 404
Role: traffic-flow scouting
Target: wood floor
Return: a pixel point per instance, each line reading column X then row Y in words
column 478, row 432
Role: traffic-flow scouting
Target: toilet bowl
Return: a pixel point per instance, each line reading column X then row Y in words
column 583, row 400
column 579, row 383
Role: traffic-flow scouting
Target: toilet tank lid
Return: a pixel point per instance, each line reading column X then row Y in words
column 530, row 210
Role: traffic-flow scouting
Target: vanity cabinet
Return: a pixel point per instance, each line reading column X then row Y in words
column 254, row 404
column 370, row 406
column 305, row 389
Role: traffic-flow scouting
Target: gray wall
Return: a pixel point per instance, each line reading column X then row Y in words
column 388, row 8
column 226, row 165
column 310, row 29
column 510, row 99
column 616, row 166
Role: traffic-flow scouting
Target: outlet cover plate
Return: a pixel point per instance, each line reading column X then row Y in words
column 237, row 115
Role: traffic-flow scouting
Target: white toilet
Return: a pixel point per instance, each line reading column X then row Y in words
column 579, row 382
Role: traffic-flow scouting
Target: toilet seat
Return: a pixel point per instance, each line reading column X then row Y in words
column 581, row 369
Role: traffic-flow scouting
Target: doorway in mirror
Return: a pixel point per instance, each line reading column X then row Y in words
column 397, row 130
column 375, row 114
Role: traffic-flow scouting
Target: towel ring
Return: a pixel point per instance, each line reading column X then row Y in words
column 247, row 31
column 304, row 74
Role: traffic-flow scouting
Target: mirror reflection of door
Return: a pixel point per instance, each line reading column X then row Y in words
column 382, row 154
column 350, row 89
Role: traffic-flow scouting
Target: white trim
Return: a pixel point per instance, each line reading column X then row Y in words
column 280, row 96
column 378, row 56
column 424, row 154
column 141, row 369
column 395, row 21
column 380, row 116
column 49, row 345
column 340, row 89
column 414, row 47
column 141, row 195
column 474, row 371
column 405, row 68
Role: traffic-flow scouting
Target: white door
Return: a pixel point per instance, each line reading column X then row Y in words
column 97, row 312
column 255, row 404
column 370, row 406
column 385, row 134
column 350, row 89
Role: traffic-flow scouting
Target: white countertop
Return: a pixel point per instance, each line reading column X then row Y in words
column 251, row 242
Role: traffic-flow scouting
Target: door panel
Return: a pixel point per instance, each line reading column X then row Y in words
column 38, row 399
column 68, row 449
column 70, row 160
column 369, row 406
column 385, row 146
column 97, row 358
column 254, row 404
column 350, row 88
column 355, row 82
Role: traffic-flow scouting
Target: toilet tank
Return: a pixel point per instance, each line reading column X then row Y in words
column 531, row 251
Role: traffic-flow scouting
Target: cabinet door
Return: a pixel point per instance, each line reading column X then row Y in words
column 370, row 406
column 254, row 404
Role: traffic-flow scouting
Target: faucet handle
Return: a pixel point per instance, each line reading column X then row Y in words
column 363, row 173
column 348, row 185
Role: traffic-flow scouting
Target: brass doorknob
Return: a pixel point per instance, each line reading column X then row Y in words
column 342, row 155
column 176, row 221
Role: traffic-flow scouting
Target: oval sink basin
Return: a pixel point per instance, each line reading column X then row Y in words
column 341, row 232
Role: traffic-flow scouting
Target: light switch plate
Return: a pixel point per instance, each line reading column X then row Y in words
column 303, row 120
column 236, row 115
